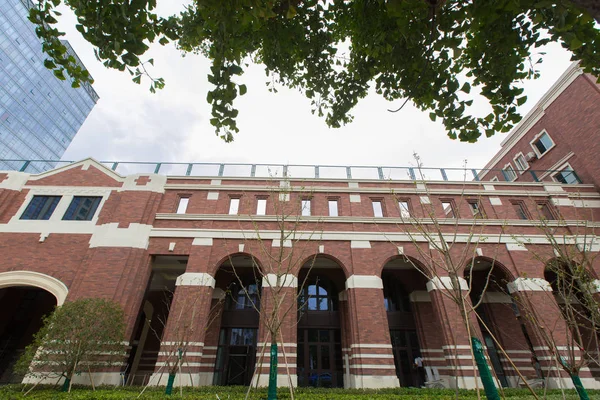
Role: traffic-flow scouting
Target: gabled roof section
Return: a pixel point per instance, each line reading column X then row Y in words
column 87, row 172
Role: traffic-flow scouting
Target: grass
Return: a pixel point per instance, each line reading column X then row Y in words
column 16, row 392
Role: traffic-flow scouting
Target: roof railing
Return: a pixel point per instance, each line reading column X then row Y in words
column 295, row 171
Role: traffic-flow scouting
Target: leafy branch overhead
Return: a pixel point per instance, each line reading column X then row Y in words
column 429, row 51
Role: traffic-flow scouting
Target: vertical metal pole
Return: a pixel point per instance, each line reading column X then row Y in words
column 285, row 171
column 316, row 171
column 158, row 165
column 221, row 169
column 272, row 393
column 253, row 171
column 444, row 176
column 189, row 170
column 411, row 172
column 380, row 173
column 25, row 165
column 349, row 172
column 484, row 371
column 533, row 174
column 475, row 175
column 114, row 166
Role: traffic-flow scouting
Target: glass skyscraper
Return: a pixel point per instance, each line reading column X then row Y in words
column 39, row 114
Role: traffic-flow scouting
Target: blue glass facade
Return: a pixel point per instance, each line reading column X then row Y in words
column 39, row 114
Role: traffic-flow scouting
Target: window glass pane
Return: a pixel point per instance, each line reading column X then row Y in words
column 543, row 143
column 183, row 203
column 234, row 205
column 520, row 210
column 567, row 176
column 306, row 208
column 510, row 173
column 377, row 209
column 82, row 208
column 324, row 336
column 521, row 163
column 41, row 207
column 333, row 208
column 323, row 304
column 404, row 212
column 312, row 304
column 325, row 363
column 448, row 209
column 261, row 206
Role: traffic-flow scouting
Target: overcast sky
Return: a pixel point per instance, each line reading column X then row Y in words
column 129, row 123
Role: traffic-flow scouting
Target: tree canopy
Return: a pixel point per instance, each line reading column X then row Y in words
column 432, row 52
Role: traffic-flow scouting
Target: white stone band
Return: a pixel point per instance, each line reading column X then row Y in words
column 364, row 282
column 445, row 283
column 285, row 280
column 195, row 279
column 529, row 285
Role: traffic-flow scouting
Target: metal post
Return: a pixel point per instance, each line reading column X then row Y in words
column 253, row 171
column 444, row 176
column 285, row 171
column 158, row 165
column 272, row 393
column 114, row 166
column 316, row 171
column 221, row 169
column 24, row 167
column 349, row 172
column 380, row 173
column 411, row 172
column 533, row 174
column 189, row 170
column 484, row 371
column 475, row 175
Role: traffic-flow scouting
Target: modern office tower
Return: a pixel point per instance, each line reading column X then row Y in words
column 39, row 114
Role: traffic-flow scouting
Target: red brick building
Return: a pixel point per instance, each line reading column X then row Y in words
column 157, row 244
column 558, row 140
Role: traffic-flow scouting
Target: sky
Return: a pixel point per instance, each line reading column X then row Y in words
column 131, row 124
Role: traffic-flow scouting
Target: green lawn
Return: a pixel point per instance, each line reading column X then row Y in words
column 234, row 393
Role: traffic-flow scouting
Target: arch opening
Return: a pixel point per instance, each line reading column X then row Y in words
column 21, row 317
column 320, row 321
column 408, row 309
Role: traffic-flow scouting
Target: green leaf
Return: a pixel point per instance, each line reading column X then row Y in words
column 242, row 89
column 163, row 40
column 466, row 88
column 432, row 116
column 521, row 100
column 291, row 12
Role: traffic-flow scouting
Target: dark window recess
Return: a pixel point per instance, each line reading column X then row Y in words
column 545, row 211
column 521, row 210
column 82, row 208
column 41, row 207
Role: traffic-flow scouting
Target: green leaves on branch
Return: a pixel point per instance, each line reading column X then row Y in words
column 433, row 53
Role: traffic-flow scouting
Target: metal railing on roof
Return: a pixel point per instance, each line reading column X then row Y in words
column 294, row 171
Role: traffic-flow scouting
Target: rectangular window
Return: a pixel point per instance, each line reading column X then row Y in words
column 377, row 208
column 509, row 173
column 545, row 211
column 521, row 163
column 333, row 207
column 41, row 207
column 448, row 207
column 182, row 206
column 476, row 208
column 306, row 207
column 543, row 143
column 261, row 206
column 404, row 208
column 82, row 208
column 520, row 209
column 234, row 205
column 567, row 176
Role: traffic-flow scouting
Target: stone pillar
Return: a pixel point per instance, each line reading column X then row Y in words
column 549, row 323
column 458, row 370
column 186, row 327
column 370, row 348
column 286, row 365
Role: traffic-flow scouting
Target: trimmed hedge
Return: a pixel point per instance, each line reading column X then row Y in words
column 16, row 392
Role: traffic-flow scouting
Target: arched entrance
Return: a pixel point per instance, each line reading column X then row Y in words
column 319, row 360
column 498, row 316
column 26, row 298
column 400, row 278
column 236, row 352
column 20, row 318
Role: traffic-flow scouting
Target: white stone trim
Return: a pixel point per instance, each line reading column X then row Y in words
column 355, row 198
column 195, row 279
column 445, row 283
column 424, row 199
column 367, row 355
column 285, row 280
column 215, row 182
column 212, row 196
column 100, row 378
column 156, row 183
column 372, row 366
column 202, row 242
column 36, row 279
column 364, row 282
column 277, row 243
column 370, row 346
column 529, row 285
column 110, row 235
column 195, row 344
column 354, row 381
column 495, row 201
column 360, row 244
column 14, row 181
column 516, row 247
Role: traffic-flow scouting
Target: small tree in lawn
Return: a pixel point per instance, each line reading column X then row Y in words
column 451, row 252
column 78, row 337
column 569, row 260
column 293, row 234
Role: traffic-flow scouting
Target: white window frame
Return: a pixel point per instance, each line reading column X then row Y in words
column 261, row 206
column 380, row 208
column 513, row 170
column 306, row 205
column 234, row 206
column 521, row 171
column 535, row 139
column 182, row 206
column 336, row 212
column 562, row 167
column 404, row 210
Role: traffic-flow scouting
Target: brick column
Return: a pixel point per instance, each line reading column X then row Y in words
column 187, row 324
column 453, row 336
column 538, row 293
column 288, row 288
column 370, row 348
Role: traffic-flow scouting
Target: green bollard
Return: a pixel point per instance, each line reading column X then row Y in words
column 484, row 371
column 65, row 386
column 272, row 394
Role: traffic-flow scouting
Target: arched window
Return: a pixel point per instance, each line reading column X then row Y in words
column 394, row 297
column 318, row 295
column 242, row 298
